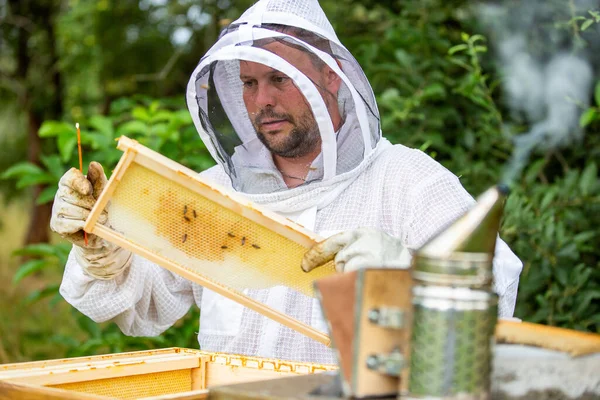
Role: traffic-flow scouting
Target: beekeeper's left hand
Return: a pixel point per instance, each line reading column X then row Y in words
column 360, row 248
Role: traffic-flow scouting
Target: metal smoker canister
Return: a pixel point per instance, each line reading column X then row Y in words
column 454, row 307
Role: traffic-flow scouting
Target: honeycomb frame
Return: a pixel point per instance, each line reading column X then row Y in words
column 203, row 232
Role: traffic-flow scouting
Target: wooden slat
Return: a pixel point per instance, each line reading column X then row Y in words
column 102, row 358
column 191, row 395
column 109, row 189
column 12, row 391
column 100, row 370
column 549, row 337
column 378, row 288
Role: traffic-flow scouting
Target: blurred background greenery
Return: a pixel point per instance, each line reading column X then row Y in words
column 120, row 67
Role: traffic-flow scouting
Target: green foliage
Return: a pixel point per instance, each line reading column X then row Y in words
column 437, row 90
column 163, row 125
column 554, row 229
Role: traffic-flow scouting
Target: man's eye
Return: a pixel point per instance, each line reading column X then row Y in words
column 280, row 79
column 248, row 84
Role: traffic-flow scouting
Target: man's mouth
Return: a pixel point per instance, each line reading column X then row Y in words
column 272, row 124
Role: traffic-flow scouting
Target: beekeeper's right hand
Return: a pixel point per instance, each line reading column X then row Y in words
column 73, row 202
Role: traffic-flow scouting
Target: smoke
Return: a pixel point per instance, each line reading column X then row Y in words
column 547, row 77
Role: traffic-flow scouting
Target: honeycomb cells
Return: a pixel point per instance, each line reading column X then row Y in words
column 208, row 239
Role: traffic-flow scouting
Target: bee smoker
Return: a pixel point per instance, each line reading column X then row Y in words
column 454, row 307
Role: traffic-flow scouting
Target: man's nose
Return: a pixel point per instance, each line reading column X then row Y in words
column 265, row 96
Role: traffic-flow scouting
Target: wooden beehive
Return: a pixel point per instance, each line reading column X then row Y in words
column 173, row 373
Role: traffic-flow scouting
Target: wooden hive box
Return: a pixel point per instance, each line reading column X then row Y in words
column 173, row 373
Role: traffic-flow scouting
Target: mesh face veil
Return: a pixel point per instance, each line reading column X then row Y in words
column 278, row 81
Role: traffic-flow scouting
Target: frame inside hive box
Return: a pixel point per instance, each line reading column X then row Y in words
column 206, row 233
column 173, row 373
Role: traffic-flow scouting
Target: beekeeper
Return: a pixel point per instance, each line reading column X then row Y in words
column 290, row 118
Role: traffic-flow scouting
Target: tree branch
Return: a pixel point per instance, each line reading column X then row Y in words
column 13, row 85
column 159, row 76
column 19, row 21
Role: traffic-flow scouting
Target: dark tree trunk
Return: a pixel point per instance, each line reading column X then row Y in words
column 37, row 231
column 43, row 18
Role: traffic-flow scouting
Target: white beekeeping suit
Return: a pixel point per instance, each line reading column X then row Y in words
column 358, row 180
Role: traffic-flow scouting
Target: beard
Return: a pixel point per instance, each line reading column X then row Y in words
column 303, row 139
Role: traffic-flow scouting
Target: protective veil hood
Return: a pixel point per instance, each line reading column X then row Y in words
column 292, row 42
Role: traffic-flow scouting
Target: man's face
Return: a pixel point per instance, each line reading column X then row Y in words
column 279, row 112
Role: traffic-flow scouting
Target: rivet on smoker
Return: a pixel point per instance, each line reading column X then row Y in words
column 374, row 315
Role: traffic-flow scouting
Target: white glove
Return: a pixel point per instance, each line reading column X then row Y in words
column 73, row 202
column 360, row 248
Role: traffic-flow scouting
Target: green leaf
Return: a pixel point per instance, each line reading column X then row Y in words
column 140, row 113
column 586, row 24
column 585, row 301
column 548, row 197
column 89, row 326
column 161, row 115
column 597, row 94
column 160, row 130
column 589, row 179
column 120, row 106
column 66, row 144
column 476, row 38
column 534, row 170
column 21, row 169
column 154, row 107
column 54, row 165
column 64, row 340
column 457, row 48
column 434, row 91
column 464, row 36
column 583, row 237
column 56, row 128
column 38, row 249
column 403, row 58
column 46, row 195
column 40, row 294
column 28, row 268
column 96, row 140
column 103, row 125
column 35, row 179
column 562, row 275
column 588, row 116
column 132, row 128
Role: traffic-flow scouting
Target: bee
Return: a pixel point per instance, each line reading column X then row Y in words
column 256, row 246
column 184, row 238
column 244, row 240
column 185, row 209
column 194, row 211
column 187, row 218
column 224, row 247
column 230, row 234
